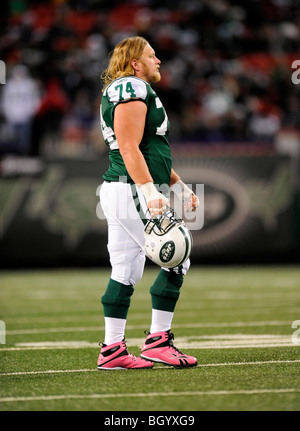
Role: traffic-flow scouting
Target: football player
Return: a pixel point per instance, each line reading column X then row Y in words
column 135, row 127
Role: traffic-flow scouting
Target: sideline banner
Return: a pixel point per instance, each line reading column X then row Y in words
column 251, row 210
column 50, row 213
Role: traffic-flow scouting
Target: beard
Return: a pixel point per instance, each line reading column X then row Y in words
column 156, row 77
column 152, row 77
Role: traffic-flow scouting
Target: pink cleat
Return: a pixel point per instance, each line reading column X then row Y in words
column 159, row 347
column 116, row 357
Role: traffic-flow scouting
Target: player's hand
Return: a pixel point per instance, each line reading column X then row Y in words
column 158, row 206
column 157, row 203
column 186, row 195
column 192, row 204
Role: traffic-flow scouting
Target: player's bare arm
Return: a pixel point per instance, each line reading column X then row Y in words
column 129, row 124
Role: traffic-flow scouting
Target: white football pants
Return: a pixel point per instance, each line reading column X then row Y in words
column 126, row 242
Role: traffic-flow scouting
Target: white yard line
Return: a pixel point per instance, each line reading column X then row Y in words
column 216, row 341
column 132, row 327
column 150, row 395
column 90, row 370
column 33, row 373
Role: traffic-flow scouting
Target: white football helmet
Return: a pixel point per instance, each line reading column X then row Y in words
column 168, row 241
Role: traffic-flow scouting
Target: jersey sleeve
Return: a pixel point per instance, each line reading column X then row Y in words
column 126, row 89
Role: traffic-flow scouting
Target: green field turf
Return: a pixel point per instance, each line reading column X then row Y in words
column 236, row 320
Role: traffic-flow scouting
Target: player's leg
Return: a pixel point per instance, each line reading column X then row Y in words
column 127, row 260
column 165, row 293
column 127, row 257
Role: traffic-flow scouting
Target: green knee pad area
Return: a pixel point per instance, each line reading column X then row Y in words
column 166, row 290
column 116, row 299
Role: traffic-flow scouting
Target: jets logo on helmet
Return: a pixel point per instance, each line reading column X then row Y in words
column 167, row 251
column 168, row 241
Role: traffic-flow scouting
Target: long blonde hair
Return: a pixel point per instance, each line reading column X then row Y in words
column 120, row 59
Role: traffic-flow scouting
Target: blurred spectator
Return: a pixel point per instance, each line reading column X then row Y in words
column 19, row 104
column 263, row 124
column 54, row 105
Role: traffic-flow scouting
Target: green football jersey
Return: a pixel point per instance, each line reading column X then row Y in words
column 154, row 145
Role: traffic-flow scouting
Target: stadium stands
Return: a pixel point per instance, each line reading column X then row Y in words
column 226, row 66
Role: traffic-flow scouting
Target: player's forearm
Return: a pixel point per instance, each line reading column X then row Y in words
column 136, row 165
column 139, row 172
column 174, row 178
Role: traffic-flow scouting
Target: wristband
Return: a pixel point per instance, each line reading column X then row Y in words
column 149, row 191
column 181, row 189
